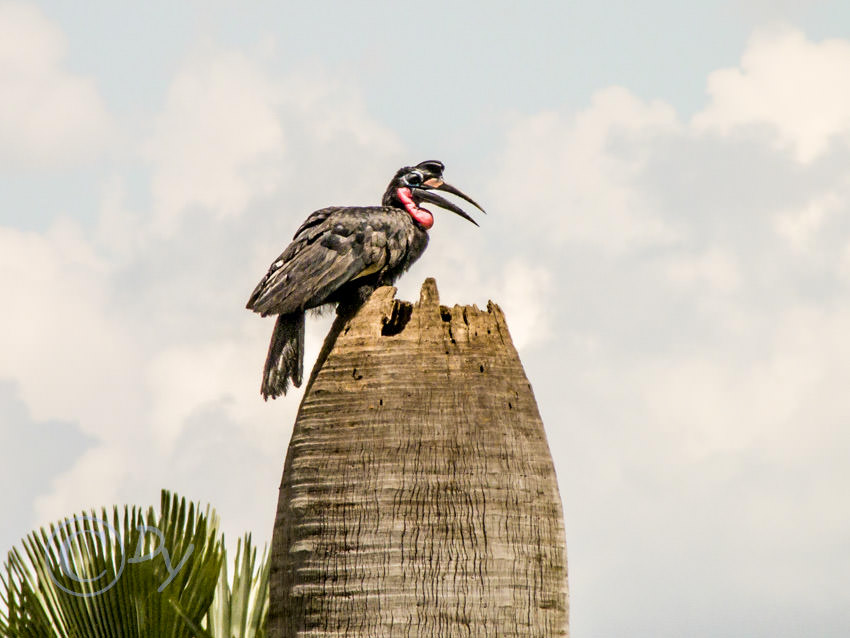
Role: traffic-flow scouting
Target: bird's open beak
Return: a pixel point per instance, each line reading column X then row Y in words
column 433, row 198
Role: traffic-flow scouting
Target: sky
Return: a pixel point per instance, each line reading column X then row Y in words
column 668, row 189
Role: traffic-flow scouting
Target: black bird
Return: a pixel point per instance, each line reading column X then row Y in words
column 340, row 255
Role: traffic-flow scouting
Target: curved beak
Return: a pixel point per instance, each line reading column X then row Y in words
column 433, row 198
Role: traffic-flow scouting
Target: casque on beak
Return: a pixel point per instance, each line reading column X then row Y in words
column 431, row 197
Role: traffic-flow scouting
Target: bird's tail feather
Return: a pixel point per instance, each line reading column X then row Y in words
column 285, row 359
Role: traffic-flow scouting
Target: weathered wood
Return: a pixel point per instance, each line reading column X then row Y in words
column 419, row 496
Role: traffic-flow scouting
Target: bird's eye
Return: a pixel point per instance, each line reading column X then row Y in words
column 413, row 179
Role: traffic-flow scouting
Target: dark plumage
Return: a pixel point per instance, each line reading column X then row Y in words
column 340, row 255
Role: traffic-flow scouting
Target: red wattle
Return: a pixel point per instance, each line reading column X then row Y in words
column 421, row 215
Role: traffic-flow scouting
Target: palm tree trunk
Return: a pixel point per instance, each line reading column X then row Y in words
column 418, row 496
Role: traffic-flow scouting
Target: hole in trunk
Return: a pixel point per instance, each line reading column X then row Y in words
column 402, row 310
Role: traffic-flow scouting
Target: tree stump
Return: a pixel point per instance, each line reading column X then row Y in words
column 418, row 496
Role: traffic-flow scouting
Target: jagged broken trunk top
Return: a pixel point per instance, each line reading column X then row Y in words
column 419, row 496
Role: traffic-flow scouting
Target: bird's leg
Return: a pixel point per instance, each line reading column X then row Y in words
column 356, row 294
column 346, row 308
column 345, row 311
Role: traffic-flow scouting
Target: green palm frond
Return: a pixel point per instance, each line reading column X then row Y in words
column 241, row 611
column 133, row 574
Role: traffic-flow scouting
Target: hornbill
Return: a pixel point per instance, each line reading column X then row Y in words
column 340, row 255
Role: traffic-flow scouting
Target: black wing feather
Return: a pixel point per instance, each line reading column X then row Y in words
column 332, row 247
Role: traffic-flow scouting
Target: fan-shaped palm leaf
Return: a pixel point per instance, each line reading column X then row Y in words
column 133, row 574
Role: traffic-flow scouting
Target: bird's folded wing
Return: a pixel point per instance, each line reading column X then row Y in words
column 338, row 246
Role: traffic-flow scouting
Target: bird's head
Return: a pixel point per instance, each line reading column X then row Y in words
column 413, row 185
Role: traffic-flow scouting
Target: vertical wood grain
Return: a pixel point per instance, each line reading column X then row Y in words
column 418, row 496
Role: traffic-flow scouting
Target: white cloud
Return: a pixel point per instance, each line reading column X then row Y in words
column 59, row 339
column 72, row 359
column 522, row 295
column 801, row 227
column 560, row 178
column 48, row 115
column 329, row 109
column 135, row 329
column 784, row 81
column 184, row 380
column 218, row 142
column 231, row 134
column 98, row 478
column 716, row 270
column 699, row 289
